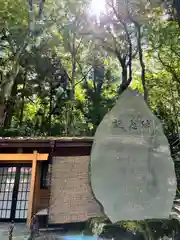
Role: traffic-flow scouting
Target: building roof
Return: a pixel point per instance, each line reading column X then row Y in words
column 47, row 138
column 43, row 142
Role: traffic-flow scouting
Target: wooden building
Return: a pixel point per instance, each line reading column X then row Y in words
column 50, row 174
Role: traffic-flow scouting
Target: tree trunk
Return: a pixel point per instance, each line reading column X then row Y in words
column 125, row 82
column 176, row 114
column 10, row 105
column 50, row 109
column 124, row 75
column 71, row 126
column 22, row 104
column 176, row 5
column 2, row 114
column 42, row 120
column 123, row 87
column 21, row 113
column 126, row 64
column 7, row 84
column 143, row 70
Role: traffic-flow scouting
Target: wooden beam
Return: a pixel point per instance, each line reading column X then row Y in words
column 32, row 187
column 23, row 157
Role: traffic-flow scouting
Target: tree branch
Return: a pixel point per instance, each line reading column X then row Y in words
column 41, row 7
column 31, row 16
column 169, row 69
column 84, row 75
column 138, row 27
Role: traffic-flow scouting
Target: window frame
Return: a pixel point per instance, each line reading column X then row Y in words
column 44, row 175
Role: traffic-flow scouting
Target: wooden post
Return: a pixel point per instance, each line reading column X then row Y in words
column 32, row 187
column 37, row 188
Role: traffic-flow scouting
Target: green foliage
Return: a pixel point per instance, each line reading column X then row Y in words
column 70, row 73
column 13, row 14
column 147, row 229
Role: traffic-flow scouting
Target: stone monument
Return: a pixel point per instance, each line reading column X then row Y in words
column 131, row 171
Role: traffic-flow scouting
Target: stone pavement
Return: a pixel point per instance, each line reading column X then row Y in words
column 20, row 231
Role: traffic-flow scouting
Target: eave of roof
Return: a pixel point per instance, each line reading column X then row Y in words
column 42, row 142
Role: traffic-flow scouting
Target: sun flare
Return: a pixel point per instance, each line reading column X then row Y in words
column 97, row 7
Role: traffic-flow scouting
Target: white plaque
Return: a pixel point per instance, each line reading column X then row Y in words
column 132, row 172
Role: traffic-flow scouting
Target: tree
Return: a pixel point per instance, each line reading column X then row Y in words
column 75, row 66
column 14, row 45
column 162, row 77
